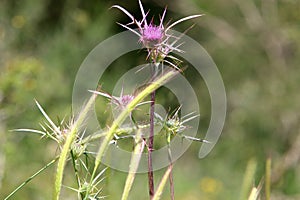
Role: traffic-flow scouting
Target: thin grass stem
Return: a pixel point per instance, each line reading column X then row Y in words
column 268, row 179
column 171, row 180
column 75, row 169
column 134, row 163
column 31, row 177
column 162, row 184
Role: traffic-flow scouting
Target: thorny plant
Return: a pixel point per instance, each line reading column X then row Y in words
column 159, row 43
column 74, row 142
column 157, row 39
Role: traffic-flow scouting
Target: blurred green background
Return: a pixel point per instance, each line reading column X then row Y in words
column 255, row 45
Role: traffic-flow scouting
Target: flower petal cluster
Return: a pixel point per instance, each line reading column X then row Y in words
column 156, row 38
column 121, row 102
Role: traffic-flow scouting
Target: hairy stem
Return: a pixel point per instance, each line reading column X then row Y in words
column 66, row 148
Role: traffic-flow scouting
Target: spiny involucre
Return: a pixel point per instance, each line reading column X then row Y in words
column 156, row 38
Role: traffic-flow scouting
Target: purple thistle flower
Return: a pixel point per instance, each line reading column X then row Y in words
column 121, row 102
column 152, row 35
column 156, row 38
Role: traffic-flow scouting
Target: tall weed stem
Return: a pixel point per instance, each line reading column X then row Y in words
column 121, row 118
column 151, row 139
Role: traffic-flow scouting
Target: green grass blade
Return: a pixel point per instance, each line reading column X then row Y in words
column 134, row 164
column 254, row 194
column 31, row 177
column 162, row 184
column 248, row 179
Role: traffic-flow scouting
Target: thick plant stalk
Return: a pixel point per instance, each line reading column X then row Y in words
column 125, row 113
column 150, row 146
column 151, row 135
column 66, row 148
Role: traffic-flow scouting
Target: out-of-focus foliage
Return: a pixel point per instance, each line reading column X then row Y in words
column 255, row 44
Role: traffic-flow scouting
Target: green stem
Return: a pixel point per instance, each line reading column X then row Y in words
column 248, row 178
column 120, row 119
column 66, row 148
column 162, row 184
column 119, row 131
column 268, row 179
column 31, row 177
column 134, row 163
column 75, row 169
column 172, row 191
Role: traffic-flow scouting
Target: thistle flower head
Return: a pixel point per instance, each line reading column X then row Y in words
column 173, row 123
column 156, row 38
column 122, row 101
column 152, row 35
